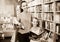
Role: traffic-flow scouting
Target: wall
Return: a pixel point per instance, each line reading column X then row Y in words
column 6, row 7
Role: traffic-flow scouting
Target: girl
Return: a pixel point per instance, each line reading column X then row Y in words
column 35, row 31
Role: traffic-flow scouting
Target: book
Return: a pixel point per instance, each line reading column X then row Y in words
column 43, row 24
column 37, row 15
column 46, row 8
column 57, row 28
column 52, row 27
column 51, row 6
column 42, row 16
column 47, row 25
column 51, row 16
column 40, row 23
column 45, row 16
column 57, row 18
column 31, row 9
column 38, row 8
column 58, row 6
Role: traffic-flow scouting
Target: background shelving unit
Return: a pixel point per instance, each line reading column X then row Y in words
column 49, row 12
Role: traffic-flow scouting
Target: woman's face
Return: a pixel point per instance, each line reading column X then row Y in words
column 24, row 5
column 34, row 22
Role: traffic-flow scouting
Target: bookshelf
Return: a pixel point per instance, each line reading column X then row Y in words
column 48, row 14
column 48, row 7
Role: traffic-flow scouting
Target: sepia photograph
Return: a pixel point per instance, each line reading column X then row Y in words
column 29, row 20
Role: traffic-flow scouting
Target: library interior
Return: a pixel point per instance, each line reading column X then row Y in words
column 29, row 20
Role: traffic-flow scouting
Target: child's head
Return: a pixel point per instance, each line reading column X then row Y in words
column 35, row 21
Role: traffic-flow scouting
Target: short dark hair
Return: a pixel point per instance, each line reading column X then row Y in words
column 23, row 2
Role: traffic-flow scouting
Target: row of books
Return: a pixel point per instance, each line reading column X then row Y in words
column 37, row 15
column 50, row 26
column 46, row 25
column 48, row 7
column 45, row 16
column 48, row 16
column 38, row 8
column 31, row 9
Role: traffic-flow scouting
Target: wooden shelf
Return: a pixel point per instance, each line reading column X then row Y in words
column 58, row 33
column 48, row 2
column 39, row 12
column 47, row 29
column 57, row 22
column 57, row 0
column 32, row 12
column 33, row 3
column 49, row 12
column 58, row 11
column 49, row 21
